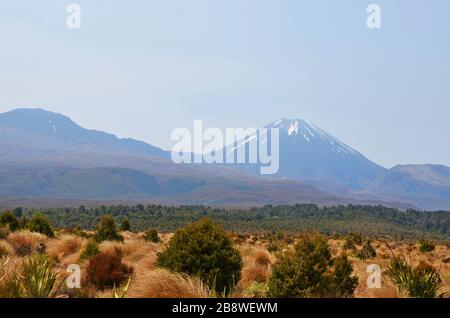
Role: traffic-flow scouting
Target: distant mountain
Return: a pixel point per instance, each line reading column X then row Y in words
column 427, row 186
column 91, row 183
column 39, row 134
column 47, row 155
column 309, row 153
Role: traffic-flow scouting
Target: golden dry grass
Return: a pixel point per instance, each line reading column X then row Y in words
column 160, row 283
column 256, row 266
column 149, row 281
column 25, row 242
column 65, row 246
column 5, row 249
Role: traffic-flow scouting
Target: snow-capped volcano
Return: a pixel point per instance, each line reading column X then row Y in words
column 312, row 134
column 309, row 153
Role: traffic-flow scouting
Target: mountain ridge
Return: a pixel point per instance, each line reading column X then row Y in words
column 315, row 167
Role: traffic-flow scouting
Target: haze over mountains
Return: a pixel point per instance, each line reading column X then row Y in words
column 47, row 155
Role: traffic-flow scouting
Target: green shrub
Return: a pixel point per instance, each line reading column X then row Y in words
column 10, row 220
column 275, row 246
column 4, row 232
column 203, row 249
column 352, row 239
column 151, row 235
column 40, row 224
column 367, row 251
column 125, row 225
column 106, row 230
column 91, row 249
column 307, row 271
column 421, row 282
column 342, row 281
column 426, row 246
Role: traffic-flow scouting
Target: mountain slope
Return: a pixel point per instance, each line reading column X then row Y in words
column 47, row 155
column 309, row 153
column 40, row 133
column 427, row 186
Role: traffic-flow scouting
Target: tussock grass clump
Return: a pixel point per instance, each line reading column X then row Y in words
column 205, row 250
column 106, row 270
column 261, row 257
column 161, row 283
column 5, row 249
column 256, row 268
column 25, row 243
column 64, row 246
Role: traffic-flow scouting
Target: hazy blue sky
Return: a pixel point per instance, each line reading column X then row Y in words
column 142, row 68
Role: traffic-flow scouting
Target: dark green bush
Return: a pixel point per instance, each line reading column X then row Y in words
column 151, row 235
column 426, row 246
column 10, row 220
column 307, row 271
column 91, row 249
column 342, row 281
column 40, row 224
column 106, row 230
column 367, row 251
column 204, row 249
column 125, row 225
column 353, row 239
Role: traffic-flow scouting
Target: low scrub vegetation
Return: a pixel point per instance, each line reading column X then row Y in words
column 202, row 259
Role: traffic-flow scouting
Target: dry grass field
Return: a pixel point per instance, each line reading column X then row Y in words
column 146, row 280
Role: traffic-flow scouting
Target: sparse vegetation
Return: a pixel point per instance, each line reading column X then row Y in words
column 301, row 265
